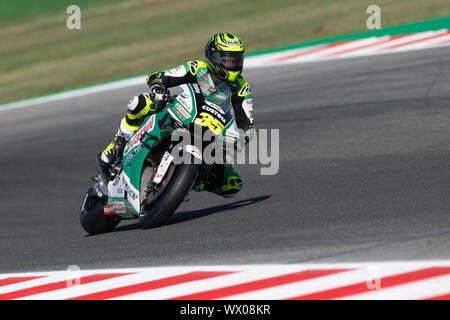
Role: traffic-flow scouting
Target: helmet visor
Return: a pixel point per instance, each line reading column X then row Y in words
column 232, row 60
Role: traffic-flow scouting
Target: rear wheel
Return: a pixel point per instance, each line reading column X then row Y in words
column 181, row 181
column 92, row 218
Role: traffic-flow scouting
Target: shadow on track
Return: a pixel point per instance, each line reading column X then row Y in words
column 195, row 214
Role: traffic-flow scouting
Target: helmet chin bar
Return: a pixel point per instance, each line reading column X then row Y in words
column 223, row 75
column 232, row 75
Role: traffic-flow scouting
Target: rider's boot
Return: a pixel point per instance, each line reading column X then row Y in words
column 222, row 180
column 114, row 149
column 230, row 184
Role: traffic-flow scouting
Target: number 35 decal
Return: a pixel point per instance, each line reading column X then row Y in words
column 207, row 120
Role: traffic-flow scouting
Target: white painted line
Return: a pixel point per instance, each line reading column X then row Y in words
column 74, row 93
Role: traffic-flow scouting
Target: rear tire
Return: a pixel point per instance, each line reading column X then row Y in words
column 92, row 218
column 180, row 184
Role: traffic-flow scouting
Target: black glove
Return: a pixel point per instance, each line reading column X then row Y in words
column 159, row 93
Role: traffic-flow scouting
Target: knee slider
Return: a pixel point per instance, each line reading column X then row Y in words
column 135, row 104
column 132, row 104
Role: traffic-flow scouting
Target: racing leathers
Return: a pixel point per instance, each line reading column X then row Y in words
column 223, row 180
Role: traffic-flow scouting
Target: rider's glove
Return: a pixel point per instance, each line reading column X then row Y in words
column 159, row 93
column 245, row 137
column 250, row 133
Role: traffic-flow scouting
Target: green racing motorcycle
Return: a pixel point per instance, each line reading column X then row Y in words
column 156, row 172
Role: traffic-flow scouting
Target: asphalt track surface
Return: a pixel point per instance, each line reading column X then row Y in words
column 363, row 176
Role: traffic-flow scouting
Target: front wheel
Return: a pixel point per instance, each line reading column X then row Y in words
column 180, row 184
column 92, row 218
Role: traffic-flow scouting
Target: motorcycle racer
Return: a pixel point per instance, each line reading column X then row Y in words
column 224, row 57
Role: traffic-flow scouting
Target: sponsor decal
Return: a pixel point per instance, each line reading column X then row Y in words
column 178, row 113
column 184, row 104
column 203, row 76
column 214, row 112
column 221, row 97
column 146, row 128
column 163, row 166
column 229, row 139
column 248, row 102
column 174, row 113
column 182, row 111
column 196, row 88
column 204, row 85
column 119, row 207
column 166, row 156
column 215, row 106
column 130, row 155
column 108, row 210
column 232, row 133
column 129, row 191
column 248, row 108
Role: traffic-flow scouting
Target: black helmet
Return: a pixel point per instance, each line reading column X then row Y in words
column 224, row 55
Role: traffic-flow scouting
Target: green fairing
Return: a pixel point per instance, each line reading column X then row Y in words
column 135, row 152
column 132, row 165
column 176, row 104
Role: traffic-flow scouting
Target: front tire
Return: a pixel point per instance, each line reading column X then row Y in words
column 174, row 193
column 92, row 218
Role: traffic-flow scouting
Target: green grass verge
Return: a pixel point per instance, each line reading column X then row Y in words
column 123, row 38
column 13, row 9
